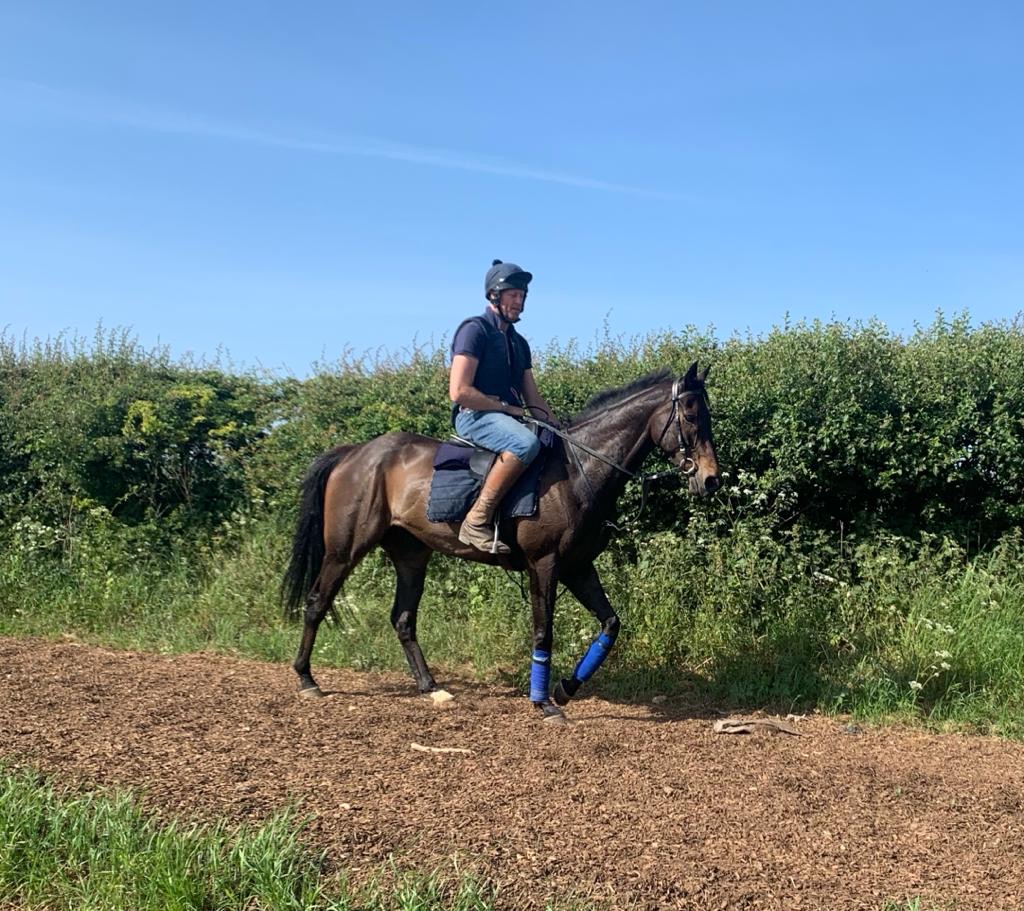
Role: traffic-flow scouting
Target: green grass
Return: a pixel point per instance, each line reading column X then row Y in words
column 100, row 852
column 228, row 602
column 892, row 630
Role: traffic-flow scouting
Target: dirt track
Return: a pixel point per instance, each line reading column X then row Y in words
column 632, row 805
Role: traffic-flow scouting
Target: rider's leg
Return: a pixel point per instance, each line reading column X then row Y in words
column 478, row 527
column 518, row 447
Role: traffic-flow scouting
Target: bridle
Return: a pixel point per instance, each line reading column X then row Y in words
column 687, row 465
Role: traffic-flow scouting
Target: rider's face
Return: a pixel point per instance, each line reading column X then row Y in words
column 513, row 300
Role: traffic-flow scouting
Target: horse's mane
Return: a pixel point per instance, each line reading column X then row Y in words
column 611, row 396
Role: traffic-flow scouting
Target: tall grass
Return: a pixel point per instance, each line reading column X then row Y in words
column 878, row 629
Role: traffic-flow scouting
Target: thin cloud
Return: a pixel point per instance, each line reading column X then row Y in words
column 96, row 110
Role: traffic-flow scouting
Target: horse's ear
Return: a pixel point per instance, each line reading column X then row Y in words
column 691, row 376
column 703, row 375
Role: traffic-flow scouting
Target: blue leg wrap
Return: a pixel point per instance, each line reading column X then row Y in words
column 594, row 657
column 540, row 676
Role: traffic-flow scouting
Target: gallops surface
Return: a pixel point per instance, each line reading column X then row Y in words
column 630, row 806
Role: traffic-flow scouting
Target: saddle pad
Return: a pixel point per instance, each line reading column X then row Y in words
column 453, row 487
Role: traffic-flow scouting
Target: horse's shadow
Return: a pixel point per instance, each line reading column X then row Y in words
column 687, row 697
column 691, row 698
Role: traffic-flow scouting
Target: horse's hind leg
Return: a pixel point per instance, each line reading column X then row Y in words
column 321, row 596
column 409, row 557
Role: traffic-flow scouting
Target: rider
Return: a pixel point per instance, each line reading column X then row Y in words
column 491, row 385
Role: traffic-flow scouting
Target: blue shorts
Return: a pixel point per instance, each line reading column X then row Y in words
column 498, row 431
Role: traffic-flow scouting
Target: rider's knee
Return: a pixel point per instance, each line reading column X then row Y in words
column 528, row 449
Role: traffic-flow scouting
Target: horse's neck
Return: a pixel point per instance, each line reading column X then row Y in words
column 621, row 437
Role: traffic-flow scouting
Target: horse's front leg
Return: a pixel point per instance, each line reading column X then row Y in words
column 586, row 586
column 543, row 583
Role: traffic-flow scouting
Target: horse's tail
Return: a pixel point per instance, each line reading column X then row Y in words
column 308, row 545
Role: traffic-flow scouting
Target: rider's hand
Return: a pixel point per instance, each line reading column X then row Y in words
column 548, row 418
column 514, row 410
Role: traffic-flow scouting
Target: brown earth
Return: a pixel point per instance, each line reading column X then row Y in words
column 631, row 805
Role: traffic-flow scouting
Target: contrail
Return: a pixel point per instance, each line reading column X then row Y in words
column 93, row 109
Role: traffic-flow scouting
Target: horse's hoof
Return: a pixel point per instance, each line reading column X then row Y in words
column 564, row 691
column 552, row 714
column 312, row 692
column 440, row 697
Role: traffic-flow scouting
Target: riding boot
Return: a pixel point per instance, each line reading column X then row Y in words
column 479, row 527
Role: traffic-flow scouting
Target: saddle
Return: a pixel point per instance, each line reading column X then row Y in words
column 451, row 454
column 459, row 471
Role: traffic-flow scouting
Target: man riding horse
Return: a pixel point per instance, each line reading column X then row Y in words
column 358, row 496
column 490, row 385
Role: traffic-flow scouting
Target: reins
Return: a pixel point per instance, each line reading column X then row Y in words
column 576, row 444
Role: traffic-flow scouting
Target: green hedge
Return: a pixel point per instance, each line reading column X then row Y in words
column 822, row 426
column 114, row 431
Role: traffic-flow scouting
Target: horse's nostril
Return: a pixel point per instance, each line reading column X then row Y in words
column 712, row 484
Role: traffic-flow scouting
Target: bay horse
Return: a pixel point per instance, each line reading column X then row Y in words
column 356, row 497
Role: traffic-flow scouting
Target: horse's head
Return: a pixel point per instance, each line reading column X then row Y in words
column 682, row 430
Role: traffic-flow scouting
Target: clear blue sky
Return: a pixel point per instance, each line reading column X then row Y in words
column 290, row 180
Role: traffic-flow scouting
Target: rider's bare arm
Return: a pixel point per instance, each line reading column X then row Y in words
column 462, row 391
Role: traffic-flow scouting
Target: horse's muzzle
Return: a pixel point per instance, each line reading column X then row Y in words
column 704, row 487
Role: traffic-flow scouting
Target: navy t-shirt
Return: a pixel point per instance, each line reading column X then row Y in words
column 471, row 339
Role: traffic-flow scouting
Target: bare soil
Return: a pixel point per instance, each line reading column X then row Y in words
column 629, row 806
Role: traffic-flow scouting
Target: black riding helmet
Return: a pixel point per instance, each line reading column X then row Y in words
column 502, row 276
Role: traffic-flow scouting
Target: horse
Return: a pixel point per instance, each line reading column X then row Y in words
column 359, row 496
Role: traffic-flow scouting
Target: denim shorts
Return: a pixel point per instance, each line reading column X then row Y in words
column 498, row 431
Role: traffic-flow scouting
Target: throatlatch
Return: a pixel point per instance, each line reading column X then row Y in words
column 588, row 665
